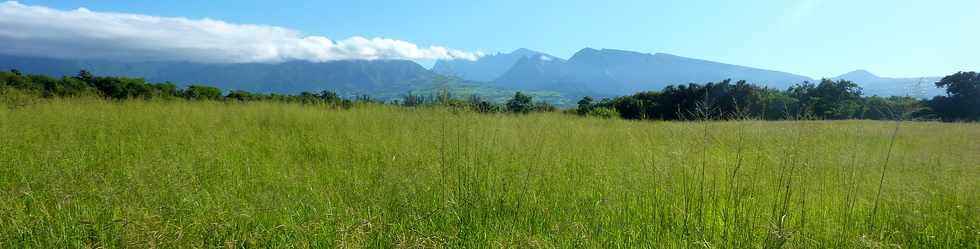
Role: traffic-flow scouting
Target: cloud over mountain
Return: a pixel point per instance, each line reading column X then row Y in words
column 81, row 33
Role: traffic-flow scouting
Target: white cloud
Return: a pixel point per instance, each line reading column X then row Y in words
column 82, row 33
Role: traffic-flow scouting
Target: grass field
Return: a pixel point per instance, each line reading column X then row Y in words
column 87, row 173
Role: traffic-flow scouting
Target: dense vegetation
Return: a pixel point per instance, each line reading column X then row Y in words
column 95, row 173
column 827, row 99
column 14, row 84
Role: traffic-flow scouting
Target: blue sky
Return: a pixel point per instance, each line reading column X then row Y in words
column 809, row 37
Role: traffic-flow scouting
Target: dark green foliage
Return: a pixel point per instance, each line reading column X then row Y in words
column 603, row 112
column 829, row 99
column 962, row 100
column 112, row 87
column 542, row 106
column 240, row 95
column 521, row 103
column 772, row 104
column 881, row 108
column 329, row 97
column 165, row 90
column 202, row 92
column 487, row 107
column 120, row 88
column 410, row 100
column 686, row 101
column 444, row 98
column 585, row 106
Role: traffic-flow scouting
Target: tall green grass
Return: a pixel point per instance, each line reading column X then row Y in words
column 88, row 173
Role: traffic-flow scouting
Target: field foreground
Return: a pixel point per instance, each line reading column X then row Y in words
column 85, row 173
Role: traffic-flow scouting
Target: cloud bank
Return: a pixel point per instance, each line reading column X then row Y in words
column 83, row 34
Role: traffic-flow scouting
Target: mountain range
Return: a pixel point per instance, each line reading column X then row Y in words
column 885, row 86
column 618, row 72
column 381, row 79
column 595, row 72
column 353, row 76
column 486, row 68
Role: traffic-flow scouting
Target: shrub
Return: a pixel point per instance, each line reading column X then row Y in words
column 603, row 112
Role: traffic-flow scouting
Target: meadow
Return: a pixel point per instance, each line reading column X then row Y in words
column 85, row 173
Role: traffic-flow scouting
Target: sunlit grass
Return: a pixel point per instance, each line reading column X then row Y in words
column 86, row 173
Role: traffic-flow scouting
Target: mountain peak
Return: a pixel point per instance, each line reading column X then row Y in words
column 585, row 51
column 858, row 74
column 608, row 57
column 585, row 54
column 487, row 68
column 525, row 52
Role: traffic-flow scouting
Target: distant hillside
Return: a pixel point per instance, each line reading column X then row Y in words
column 486, row 68
column 535, row 73
column 383, row 79
column 611, row 71
column 290, row 77
column 599, row 73
column 884, row 86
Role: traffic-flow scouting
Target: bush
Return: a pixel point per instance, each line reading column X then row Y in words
column 542, row 106
column 520, row 103
column 603, row 112
column 202, row 92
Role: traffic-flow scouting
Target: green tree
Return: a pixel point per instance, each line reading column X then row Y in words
column 830, row 99
column 962, row 100
column 585, row 106
column 894, row 107
column 329, row 97
column 166, row 90
column 240, row 95
column 202, row 92
column 520, row 103
column 85, row 76
column 543, row 106
column 603, row 112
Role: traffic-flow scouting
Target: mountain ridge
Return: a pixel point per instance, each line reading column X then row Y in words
column 873, row 84
column 486, row 68
column 353, row 76
column 596, row 72
column 619, row 72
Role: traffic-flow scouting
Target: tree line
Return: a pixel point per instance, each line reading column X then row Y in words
column 122, row 88
column 828, row 99
column 520, row 103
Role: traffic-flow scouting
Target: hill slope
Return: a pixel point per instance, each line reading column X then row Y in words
column 486, row 68
column 609, row 71
column 351, row 76
column 382, row 79
column 885, row 86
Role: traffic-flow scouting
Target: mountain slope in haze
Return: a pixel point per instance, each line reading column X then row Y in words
column 381, row 79
column 352, row 76
column 537, row 73
column 618, row 72
column 872, row 84
column 486, row 68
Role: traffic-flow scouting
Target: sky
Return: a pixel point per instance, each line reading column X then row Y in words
column 816, row 38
